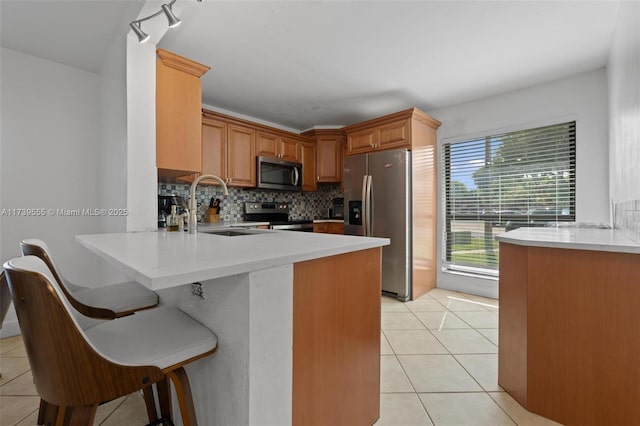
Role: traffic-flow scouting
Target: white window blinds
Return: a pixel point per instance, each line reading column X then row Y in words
column 502, row 182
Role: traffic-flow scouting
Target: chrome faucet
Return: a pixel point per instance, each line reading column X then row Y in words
column 193, row 206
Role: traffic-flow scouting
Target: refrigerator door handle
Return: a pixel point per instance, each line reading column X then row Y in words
column 370, row 205
column 363, row 213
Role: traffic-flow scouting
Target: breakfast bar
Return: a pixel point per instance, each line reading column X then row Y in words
column 297, row 317
column 568, row 327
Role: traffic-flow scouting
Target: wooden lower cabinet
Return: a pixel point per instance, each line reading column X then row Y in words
column 329, row 227
column 569, row 342
column 336, row 340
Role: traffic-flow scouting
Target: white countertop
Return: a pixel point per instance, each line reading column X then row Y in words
column 612, row 240
column 167, row 259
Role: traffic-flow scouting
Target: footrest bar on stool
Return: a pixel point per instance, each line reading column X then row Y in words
column 162, row 421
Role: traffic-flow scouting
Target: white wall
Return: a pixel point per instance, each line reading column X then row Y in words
column 142, row 181
column 582, row 98
column 624, row 105
column 49, row 148
column 112, row 147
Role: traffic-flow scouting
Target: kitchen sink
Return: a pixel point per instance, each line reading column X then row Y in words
column 233, row 232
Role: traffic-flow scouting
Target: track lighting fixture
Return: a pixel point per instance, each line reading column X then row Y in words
column 173, row 20
column 142, row 36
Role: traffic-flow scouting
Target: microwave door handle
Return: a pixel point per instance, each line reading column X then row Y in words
column 295, row 176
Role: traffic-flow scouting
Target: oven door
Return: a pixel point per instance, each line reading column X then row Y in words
column 279, row 174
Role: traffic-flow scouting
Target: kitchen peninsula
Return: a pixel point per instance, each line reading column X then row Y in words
column 297, row 317
column 569, row 340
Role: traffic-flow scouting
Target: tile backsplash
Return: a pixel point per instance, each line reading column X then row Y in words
column 306, row 205
column 627, row 218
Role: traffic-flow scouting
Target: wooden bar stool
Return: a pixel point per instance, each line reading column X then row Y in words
column 74, row 370
column 95, row 304
column 109, row 302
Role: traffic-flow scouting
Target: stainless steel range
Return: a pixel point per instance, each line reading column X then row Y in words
column 277, row 214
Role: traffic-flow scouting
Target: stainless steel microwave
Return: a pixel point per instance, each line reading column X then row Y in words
column 279, row 174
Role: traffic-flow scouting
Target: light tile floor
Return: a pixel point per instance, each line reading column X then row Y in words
column 428, row 377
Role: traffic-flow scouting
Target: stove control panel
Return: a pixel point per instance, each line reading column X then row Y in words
column 259, row 208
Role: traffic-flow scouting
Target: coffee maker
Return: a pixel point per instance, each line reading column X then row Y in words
column 337, row 209
column 164, row 207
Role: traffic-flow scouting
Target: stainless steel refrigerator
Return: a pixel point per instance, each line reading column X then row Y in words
column 377, row 201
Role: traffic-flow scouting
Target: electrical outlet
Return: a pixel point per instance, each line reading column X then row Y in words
column 196, row 290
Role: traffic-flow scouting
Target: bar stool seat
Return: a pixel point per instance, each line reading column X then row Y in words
column 74, row 370
column 122, row 298
column 163, row 337
column 108, row 302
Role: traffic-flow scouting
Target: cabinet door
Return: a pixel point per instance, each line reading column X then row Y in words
column 345, row 154
column 322, row 227
column 178, row 114
column 289, row 149
column 308, row 160
column 241, row 156
column 362, row 141
column 336, row 228
column 328, row 156
column 214, row 147
column 267, row 144
column 394, row 135
column 178, row 103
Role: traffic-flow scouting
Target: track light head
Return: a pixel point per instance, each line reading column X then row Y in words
column 173, row 20
column 137, row 29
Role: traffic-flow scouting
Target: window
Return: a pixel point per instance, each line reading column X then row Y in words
column 501, row 182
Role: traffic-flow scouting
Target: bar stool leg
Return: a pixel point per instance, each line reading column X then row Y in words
column 185, row 398
column 47, row 413
column 81, row 416
column 164, row 399
column 150, row 402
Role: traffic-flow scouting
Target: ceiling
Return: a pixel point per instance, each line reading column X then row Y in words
column 331, row 63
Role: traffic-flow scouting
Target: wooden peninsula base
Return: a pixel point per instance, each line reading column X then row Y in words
column 336, row 340
column 569, row 346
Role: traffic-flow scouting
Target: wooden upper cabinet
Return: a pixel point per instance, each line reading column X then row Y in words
column 308, row 160
column 272, row 145
column 388, row 132
column 361, row 142
column 267, row 144
column 329, row 144
column 289, row 149
column 394, row 135
column 230, row 146
column 228, row 151
column 214, row 147
column 241, row 156
column 178, row 114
